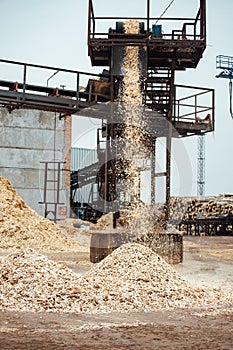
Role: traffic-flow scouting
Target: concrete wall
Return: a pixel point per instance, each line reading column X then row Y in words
column 27, row 138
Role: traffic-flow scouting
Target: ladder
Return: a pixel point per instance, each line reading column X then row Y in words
column 52, row 187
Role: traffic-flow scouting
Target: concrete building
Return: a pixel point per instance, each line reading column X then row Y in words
column 28, row 138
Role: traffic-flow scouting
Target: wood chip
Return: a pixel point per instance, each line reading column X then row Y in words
column 132, row 278
column 21, row 227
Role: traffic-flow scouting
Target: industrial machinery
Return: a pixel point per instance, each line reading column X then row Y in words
column 226, row 63
column 168, row 112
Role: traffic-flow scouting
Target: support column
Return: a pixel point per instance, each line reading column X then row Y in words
column 168, row 143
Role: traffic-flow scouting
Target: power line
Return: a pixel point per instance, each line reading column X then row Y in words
column 165, row 11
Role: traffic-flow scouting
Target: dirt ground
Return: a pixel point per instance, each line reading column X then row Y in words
column 207, row 260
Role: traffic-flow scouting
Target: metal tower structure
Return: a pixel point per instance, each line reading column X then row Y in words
column 201, row 165
column 226, row 63
column 169, row 110
column 161, row 54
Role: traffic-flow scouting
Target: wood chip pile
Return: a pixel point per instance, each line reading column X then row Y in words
column 21, row 227
column 188, row 208
column 132, row 278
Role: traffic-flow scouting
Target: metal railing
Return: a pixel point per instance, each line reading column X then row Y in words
column 25, row 85
column 190, row 107
column 224, row 62
column 24, row 91
column 197, row 25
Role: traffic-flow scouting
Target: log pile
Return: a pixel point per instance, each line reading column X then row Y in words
column 186, row 208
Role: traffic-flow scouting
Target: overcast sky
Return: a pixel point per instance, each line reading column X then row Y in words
column 54, row 33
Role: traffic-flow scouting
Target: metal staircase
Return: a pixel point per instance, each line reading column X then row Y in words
column 157, row 90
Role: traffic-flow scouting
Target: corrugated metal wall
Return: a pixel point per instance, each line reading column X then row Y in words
column 80, row 158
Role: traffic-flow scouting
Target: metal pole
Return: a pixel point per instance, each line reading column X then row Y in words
column 195, row 104
column 168, row 144
column 106, row 167
column 168, row 174
column 203, row 19
column 51, row 77
column 89, row 26
column 148, row 16
column 24, row 80
column 213, row 110
column 174, row 105
column 77, row 91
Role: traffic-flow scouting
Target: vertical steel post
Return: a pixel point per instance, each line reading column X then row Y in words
column 89, row 27
column 24, row 79
column 107, row 185
column 203, row 19
column 195, row 104
column 213, row 109
column 77, row 92
column 174, row 104
column 178, row 109
column 148, row 16
column 168, row 144
column 106, row 171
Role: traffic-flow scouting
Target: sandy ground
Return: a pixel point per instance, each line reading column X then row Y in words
column 207, row 260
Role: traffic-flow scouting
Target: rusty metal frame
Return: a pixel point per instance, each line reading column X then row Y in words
column 195, row 108
column 190, row 21
column 15, row 95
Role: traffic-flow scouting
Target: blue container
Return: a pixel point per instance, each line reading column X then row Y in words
column 157, row 29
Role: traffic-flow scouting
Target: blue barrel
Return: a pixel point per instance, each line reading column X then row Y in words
column 157, row 29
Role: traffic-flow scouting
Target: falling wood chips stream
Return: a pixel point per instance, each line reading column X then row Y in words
column 132, row 278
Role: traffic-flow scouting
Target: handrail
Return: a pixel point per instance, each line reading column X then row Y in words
column 194, row 87
column 25, row 86
column 193, row 21
column 184, row 107
column 145, row 18
column 47, row 67
column 224, row 62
